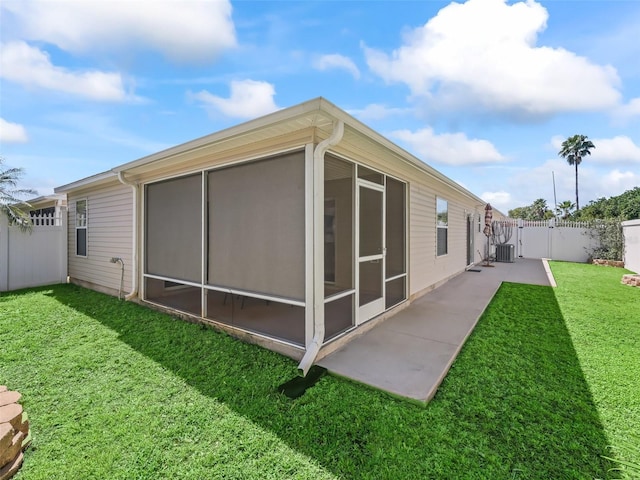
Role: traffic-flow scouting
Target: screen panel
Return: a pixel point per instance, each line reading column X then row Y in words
column 174, row 228
column 257, row 226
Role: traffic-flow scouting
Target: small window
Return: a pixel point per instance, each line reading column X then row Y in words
column 442, row 226
column 81, row 228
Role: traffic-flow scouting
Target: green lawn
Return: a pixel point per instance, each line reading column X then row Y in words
column 113, row 390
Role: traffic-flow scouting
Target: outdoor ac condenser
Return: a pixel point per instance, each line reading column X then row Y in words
column 505, row 253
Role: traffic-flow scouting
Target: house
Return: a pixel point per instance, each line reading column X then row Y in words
column 297, row 230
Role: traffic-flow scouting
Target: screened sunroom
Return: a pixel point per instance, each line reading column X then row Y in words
column 276, row 245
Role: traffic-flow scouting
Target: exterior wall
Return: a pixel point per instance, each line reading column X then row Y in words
column 109, row 234
column 32, row 259
column 631, row 232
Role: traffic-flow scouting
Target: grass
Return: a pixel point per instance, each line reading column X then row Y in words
column 115, row 390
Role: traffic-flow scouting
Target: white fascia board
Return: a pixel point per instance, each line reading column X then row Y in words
column 86, row 182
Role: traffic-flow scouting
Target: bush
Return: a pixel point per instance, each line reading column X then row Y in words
column 608, row 234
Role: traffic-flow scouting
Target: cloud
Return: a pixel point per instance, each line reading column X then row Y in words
column 449, row 148
column 326, row 62
column 483, row 55
column 12, row 132
column 619, row 149
column 30, row 66
column 249, row 99
column 619, row 182
column 375, row 111
column 193, row 31
column 629, row 110
column 500, row 200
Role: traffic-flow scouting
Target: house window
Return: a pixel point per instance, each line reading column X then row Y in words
column 442, row 226
column 81, row 228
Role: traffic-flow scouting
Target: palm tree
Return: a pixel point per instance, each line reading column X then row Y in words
column 10, row 204
column 574, row 149
column 564, row 208
column 539, row 209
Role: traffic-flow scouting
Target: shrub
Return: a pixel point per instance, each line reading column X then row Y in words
column 608, row 235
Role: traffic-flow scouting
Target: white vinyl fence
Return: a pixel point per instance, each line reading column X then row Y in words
column 631, row 233
column 31, row 259
column 554, row 239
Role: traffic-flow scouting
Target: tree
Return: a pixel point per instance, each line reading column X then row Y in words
column 564, row 209
column 625, row 206
column 10, row 204
column 574, row 149
column 538, row 210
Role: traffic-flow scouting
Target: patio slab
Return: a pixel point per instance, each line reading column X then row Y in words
column 409, row 354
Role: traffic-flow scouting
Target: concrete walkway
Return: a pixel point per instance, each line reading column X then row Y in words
column 410, row 353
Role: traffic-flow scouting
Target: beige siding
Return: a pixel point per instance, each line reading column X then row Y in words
column 109, row 231
column 109, row 234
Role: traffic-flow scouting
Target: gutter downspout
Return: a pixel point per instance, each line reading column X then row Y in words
column 134, row 234
column 318, row 263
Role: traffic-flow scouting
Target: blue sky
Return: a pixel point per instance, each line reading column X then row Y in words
column 484, row 90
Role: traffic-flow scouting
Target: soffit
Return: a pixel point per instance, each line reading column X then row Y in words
column 298, row 123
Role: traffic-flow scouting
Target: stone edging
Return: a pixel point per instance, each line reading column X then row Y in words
column 14, row 432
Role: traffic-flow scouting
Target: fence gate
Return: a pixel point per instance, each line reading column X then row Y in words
column 32, row 259
column 558, row 240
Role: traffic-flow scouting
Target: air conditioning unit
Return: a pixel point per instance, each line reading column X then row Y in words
column 505, row 253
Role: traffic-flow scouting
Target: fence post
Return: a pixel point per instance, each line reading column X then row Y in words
column 4, row 252
column 519, row 237
column 64, row 254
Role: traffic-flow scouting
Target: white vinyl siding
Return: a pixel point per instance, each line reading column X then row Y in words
column 109, row 214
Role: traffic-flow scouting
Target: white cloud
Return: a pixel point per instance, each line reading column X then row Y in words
column 629, row 110
column 249, row 99
column 31, row 66
column 12, row 132
column 375, row 111
column 617, row 181
column 335, row 60
column 182, row 31
column 500, row 200
column 619, row 149
column 449, row 148
column 482, row 54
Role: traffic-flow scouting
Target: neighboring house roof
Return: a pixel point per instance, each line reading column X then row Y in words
column 318, row 113
column 46, row 201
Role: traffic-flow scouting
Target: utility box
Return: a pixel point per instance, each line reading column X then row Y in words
column 505, row 253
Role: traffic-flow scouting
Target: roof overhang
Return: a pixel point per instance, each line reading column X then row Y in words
column 317, row 114
column 94, row 180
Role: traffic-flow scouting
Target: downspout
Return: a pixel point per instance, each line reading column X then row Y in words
column 134, row 234
column 318, row 263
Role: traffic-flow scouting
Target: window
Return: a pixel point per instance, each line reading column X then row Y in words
column 81, row 228
column 442, row 225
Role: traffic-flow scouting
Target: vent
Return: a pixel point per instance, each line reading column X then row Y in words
column 504, row 253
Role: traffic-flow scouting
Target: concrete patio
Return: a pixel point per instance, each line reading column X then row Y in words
column 409, row 354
